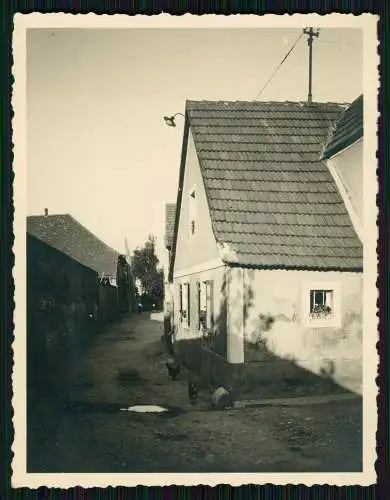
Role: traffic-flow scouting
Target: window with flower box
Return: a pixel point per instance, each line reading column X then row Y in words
column 321, row 304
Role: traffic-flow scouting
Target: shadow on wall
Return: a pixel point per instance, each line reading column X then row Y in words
column 61, row 319
column 207, row 355
column 216, row 340
column 279, row 344
column 339, row 363
column 61, row 313
column 107, row 301
column 271, row 367
column 271, row 375
column 269, row 378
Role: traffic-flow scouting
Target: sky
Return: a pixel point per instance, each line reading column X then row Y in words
column 97, row 145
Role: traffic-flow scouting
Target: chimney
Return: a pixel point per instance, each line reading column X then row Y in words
column 46, row 212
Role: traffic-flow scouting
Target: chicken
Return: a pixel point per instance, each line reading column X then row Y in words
column 192, row 392
column 173, row 369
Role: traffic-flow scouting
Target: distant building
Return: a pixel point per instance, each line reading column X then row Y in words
column 170, row 213
column 344, row 155
column 266, row 260
column 126, row 286
column 67, row 235
column 64, row 233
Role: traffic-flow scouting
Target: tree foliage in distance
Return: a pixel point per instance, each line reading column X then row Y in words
column 144, row 267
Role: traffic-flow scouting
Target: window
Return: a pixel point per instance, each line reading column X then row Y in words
column 321, row 304
column 192, row 211
column 184, row 300
column 205, row 303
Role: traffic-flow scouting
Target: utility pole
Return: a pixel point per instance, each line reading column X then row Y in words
column 310, row 35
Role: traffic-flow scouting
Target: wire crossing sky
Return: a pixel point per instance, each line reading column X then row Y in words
column 97, row 144
column 279, row 66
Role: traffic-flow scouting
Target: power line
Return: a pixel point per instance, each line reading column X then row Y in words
column 336, row 42
column 279, row 65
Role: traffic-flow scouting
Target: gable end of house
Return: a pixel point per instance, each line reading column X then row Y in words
column 273, row 203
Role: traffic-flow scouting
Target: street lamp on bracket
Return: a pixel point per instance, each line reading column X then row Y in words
column 170, row 120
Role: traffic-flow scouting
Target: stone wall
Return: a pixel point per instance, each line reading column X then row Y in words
column 108, row 307
column 61, row 314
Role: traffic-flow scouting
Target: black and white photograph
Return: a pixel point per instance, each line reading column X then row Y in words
column 195, row 249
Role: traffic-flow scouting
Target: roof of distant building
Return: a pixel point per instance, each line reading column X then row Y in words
column 170, row 213
column 348, row 129
column 67, row 235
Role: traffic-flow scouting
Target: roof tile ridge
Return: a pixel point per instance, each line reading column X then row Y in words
column 42, row 216
column 289, row 254
column 292, row 235
column 94, row 235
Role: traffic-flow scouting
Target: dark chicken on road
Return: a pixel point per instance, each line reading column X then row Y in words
column 192, row 392
column 173, row 369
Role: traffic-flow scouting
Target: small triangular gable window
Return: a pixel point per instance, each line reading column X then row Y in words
column 192, row 211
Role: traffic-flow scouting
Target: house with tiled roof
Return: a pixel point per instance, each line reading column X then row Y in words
column 344, row 155
column 170, row 213
column 64, row 233
column 264, row 250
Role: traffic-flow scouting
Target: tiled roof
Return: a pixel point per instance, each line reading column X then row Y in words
column 273, row 202
column 170, row 212
column 67, row 235
column 348, row 129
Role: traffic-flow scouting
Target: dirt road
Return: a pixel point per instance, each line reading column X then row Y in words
column 125, row 366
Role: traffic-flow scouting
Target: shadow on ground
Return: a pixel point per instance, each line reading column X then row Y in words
column 84, row 430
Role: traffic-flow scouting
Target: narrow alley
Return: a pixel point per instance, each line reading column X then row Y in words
column 92, row 431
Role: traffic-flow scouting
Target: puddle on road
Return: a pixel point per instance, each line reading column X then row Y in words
column 93, row 408
column 83, row 386
column 119, row 338
column 166, row 436
column 124, row 376
column 145, row 409
column 89, row 407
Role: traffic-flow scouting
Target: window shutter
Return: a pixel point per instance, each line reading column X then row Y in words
column 198, row 296
column 210, row 305
column 188, row 304
column 328, row 299
column 181, row 301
